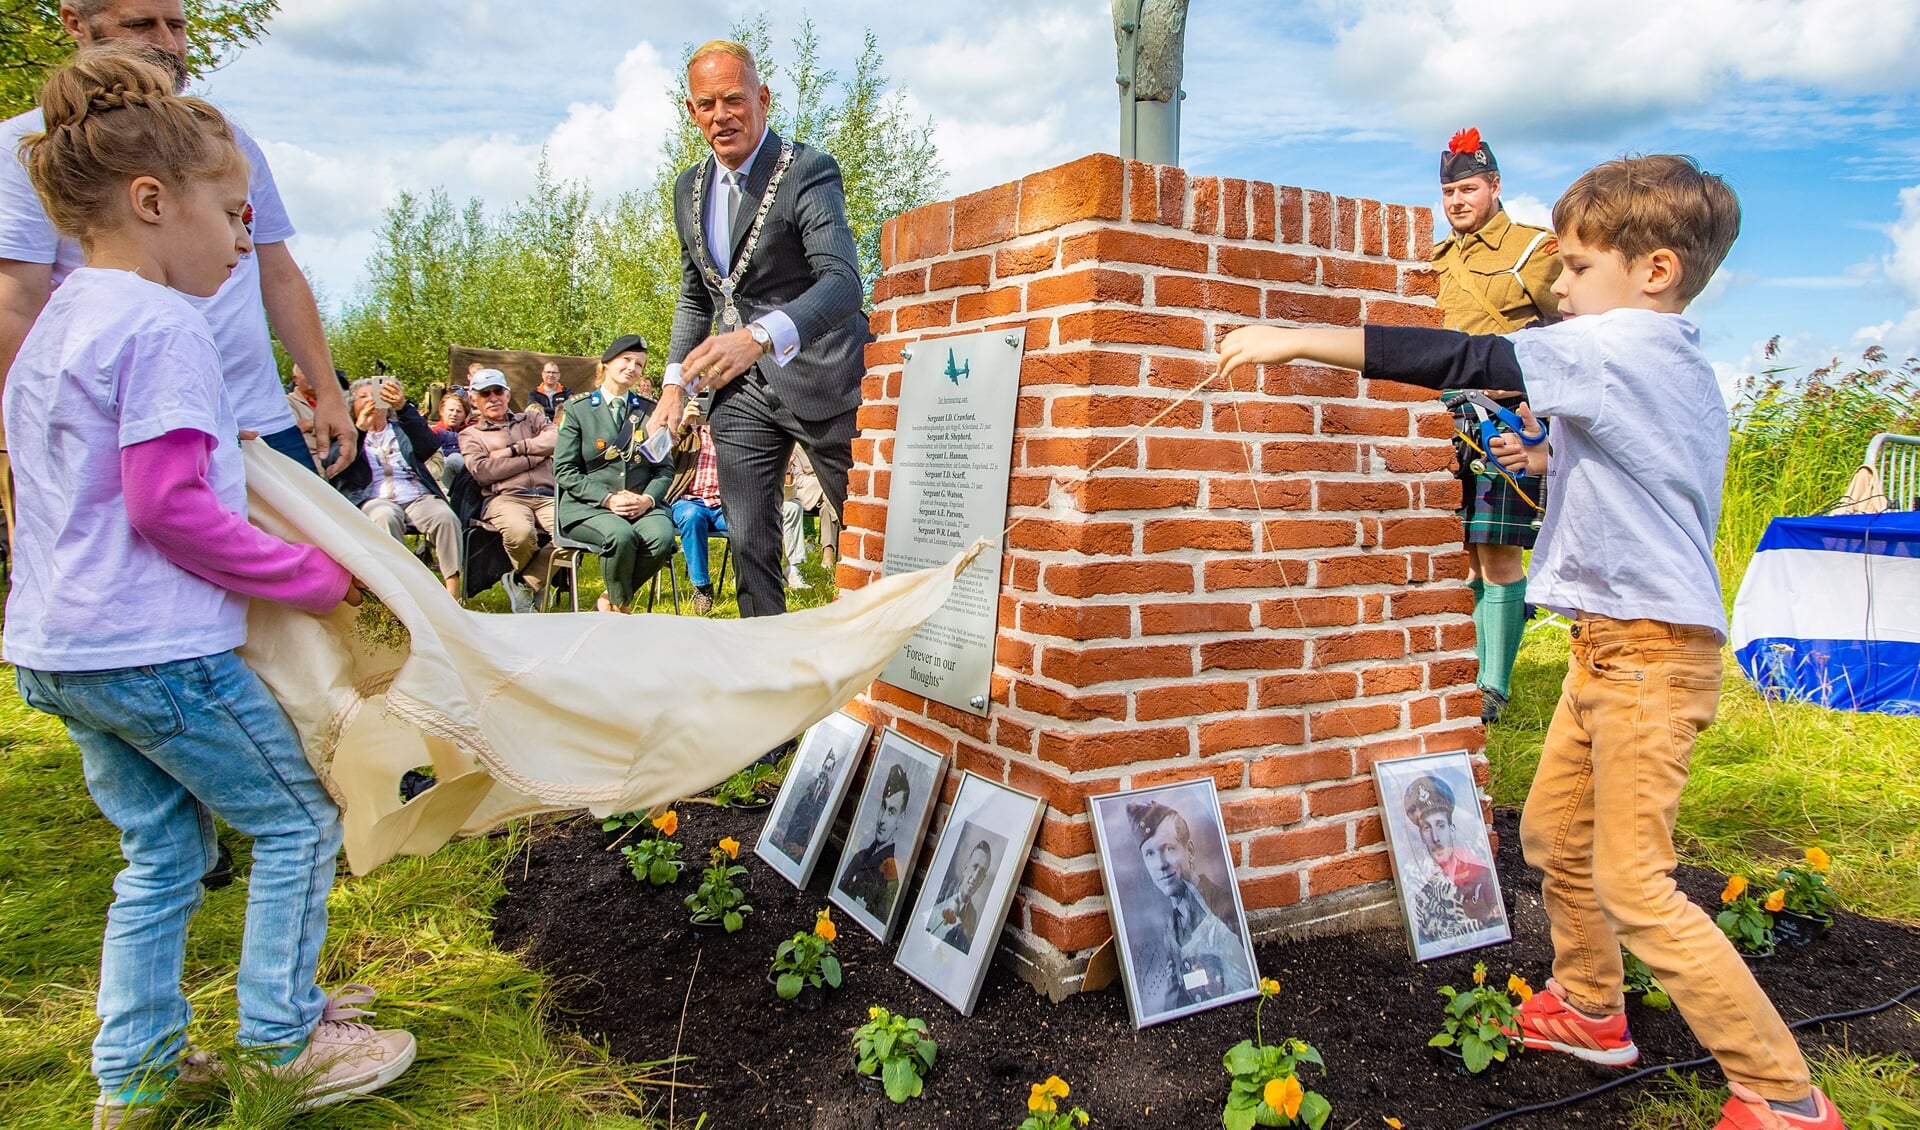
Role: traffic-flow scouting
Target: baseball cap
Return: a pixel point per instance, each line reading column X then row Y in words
column 625, row 343
column 487, row 378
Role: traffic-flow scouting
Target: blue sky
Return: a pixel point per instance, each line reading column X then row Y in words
column 1806, row 106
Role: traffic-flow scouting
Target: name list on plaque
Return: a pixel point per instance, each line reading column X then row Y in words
column 952, row 451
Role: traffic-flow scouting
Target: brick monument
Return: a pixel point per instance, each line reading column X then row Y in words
column 1265, row 586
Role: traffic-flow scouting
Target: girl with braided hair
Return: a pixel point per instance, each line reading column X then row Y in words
column 124, row 446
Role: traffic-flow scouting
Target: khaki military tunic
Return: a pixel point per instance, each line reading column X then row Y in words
column 1498, row 279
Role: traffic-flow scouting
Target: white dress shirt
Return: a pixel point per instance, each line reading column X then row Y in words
column 786, row 336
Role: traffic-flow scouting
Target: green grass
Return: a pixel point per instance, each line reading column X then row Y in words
column 1768, row 780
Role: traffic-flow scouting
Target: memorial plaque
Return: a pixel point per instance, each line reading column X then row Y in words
column 952, row 450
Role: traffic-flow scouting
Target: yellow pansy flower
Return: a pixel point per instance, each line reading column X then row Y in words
column 1776, row 901
column 731, row 846
column 1043, row 1098
column 1518, row 986
column 1269, row 987
column 1818, row 860
column 1479, row 973
column 667, row 822
column 1284, row 1095
column 1393, row 1122
column 1736, row 887
column 824, row 929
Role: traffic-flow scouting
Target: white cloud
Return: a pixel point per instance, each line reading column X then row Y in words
column 1528, row 209
column 1024, row 91
column 1901, row 269
column 376, row 32
column 1524, row 68
column 615, row 147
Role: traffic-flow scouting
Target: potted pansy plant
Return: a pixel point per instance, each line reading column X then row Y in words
column 1801, row 902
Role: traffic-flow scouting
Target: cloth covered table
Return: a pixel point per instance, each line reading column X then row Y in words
column 522, row 714
column 1829, row 612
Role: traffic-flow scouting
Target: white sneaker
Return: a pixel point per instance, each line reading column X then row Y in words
column 519, row 596
column 344, row 1058
column 794, row 579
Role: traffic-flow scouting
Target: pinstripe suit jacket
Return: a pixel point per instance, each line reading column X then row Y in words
column 805, row 265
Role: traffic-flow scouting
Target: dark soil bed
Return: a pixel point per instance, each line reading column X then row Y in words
column 624, row 955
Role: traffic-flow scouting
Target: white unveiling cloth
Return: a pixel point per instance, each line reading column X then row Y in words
column 522, row 714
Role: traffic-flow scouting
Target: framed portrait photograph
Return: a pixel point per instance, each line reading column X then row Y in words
column 888, row 825
column 955, row 924
column 1178, row 925
column 1442, row 855
column 802, row 815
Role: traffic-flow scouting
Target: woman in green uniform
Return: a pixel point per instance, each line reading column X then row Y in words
column 612, row 496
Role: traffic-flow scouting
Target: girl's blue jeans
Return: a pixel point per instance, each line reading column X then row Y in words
column 165, row 748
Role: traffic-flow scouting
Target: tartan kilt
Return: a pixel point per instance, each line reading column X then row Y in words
column 1492, row 512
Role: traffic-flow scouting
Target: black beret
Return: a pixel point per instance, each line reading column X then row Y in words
column 1466, row 156
column 625, row 343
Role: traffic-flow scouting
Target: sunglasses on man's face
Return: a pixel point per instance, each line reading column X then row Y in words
column 490, row 392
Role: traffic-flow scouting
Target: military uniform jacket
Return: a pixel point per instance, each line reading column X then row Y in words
column 1498, row 279
column 593, row 458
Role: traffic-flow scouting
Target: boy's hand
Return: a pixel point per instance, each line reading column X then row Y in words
column 1517, row 457
column 1257, row 345
column 1272, row 345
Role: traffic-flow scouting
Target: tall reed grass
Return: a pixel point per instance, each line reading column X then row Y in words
column 1797, row 439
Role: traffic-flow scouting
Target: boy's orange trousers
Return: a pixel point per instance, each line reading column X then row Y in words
column 1599, row 822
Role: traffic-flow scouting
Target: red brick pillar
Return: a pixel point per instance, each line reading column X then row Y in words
column 1154, row 630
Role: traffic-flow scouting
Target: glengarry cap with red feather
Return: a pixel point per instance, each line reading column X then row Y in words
column 1466, row 156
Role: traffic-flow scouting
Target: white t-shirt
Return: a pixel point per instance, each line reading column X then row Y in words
column 235, row 313
column 1639, row 458
column 112, row 361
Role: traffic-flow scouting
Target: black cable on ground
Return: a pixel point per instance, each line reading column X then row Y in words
column 1687, row 1065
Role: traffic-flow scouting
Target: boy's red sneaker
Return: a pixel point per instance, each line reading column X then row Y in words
column 1748, row 1111
column 1548, row 1023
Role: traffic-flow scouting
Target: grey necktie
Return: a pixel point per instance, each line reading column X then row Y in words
column 734, row 196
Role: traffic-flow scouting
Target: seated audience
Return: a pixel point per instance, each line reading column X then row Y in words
column 697, row 513
column 549, row 394
column 611, row 495
column 510, row 455
column 302, row 399
column 389, row 481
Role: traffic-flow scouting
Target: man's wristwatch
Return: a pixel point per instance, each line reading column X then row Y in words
column 761, row 336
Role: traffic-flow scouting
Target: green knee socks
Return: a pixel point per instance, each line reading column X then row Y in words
column 1478, row 588
column 1500, row 618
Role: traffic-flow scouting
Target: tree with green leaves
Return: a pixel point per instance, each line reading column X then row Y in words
column 33, row 42
column 555, row 274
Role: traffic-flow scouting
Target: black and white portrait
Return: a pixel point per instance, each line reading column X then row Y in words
column 888, row 826
column 802, row 815
column 956, row 920
column 1442, row 855
column 960, row 902
column 1177, row 917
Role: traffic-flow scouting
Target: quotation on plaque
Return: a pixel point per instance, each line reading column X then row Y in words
column 952, row 450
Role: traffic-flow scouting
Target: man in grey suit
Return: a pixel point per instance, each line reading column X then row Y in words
column 769, row 314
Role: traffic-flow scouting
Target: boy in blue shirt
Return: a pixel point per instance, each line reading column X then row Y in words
column 1626, row 553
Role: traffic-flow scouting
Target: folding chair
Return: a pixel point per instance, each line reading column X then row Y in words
column 565, row 558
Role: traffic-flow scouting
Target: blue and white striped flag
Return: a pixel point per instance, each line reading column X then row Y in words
column 1829, row 612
